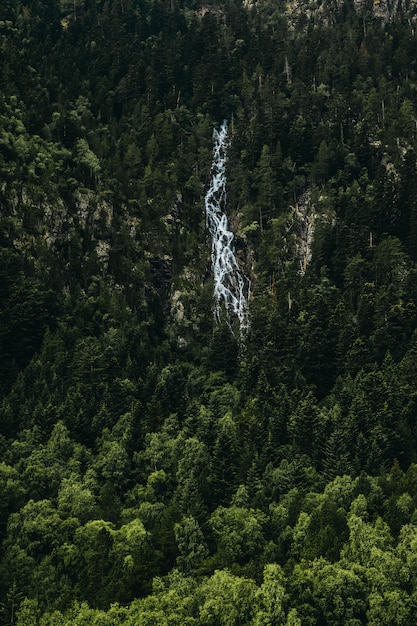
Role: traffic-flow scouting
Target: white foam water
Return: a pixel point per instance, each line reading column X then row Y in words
column 231, row 286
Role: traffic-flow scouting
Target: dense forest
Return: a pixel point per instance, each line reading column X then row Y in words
column 159, row 466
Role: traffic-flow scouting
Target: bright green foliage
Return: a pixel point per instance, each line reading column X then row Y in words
column 227, row 600
column 76, row 500
column 340, row 593
column 173, row 601
column 392, row 607
column 271, row 597
column 239, row 534
column 191, row 544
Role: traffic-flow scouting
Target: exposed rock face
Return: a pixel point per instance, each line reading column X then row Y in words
column 386, row 10
column 103, row 253
column 304, row 228
column 303, row 13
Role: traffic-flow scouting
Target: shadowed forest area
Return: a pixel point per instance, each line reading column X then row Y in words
column 158, row 467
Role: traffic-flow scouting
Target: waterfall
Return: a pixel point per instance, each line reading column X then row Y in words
column 231, row 286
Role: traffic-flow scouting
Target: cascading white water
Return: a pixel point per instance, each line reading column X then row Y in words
column 231, row 286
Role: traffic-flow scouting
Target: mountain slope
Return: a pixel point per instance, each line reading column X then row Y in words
column 156, row 465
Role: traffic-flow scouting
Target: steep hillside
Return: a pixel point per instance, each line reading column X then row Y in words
column 159, row 464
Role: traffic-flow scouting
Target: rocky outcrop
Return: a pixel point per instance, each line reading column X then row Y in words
column 303, row 13
column 304, row 224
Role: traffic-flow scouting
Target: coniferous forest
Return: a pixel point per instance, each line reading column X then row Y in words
column 160, row 467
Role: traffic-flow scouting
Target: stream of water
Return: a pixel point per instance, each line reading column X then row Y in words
column 231, row 286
